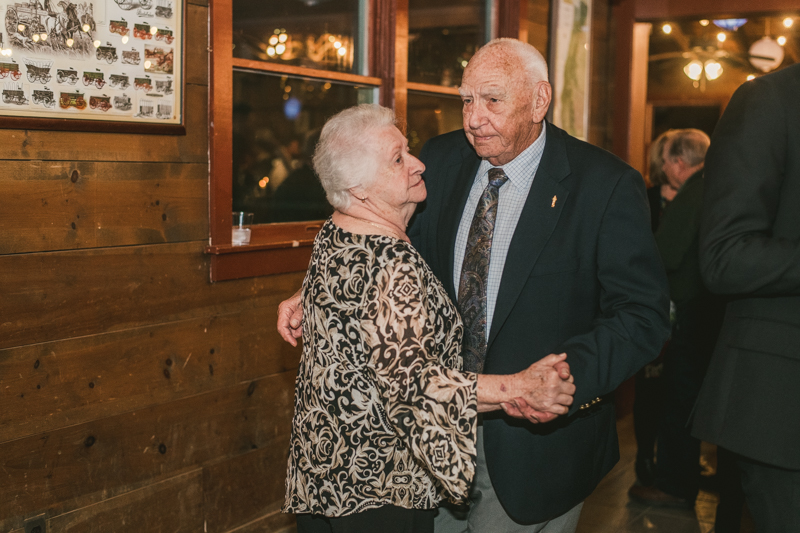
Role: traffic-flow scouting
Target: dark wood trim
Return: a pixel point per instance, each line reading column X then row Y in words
column 102, row 126
column 508, row 18
column 382, row 59
column 428, row 88
column 220, row 112
column 259, row 262
column 623, row 17
column 262, row 66
column 401, row 62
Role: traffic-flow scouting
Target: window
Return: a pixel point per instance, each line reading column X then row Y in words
column 280, row 69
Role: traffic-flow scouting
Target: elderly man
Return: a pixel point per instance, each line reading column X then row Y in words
column 698, row 316
column 544, row 241
column 750, row 250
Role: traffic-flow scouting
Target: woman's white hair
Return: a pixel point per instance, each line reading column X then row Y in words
column 533, row 61
column 347, row 154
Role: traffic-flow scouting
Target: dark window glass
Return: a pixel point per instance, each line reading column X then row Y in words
column 276, row 123
column 319, row 34
column 442, row 36
column 431, row 115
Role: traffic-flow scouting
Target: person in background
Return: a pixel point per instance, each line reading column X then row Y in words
column 385, row 418
column 542, row 240
column 750, row 252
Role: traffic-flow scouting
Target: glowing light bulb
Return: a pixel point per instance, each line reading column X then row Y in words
column 70, row 42
column 342, row 51
column 694, row 70
column 271, row 51
column 283, row 37
column 750, row 77
column 713, row 69
column 21, row 27
column 273, row 40
column 147, row 64
column 705, row 22
column 44, row 36
column 667, row 28
column 721, row 37
column 35, row 37
column 337, row 45
column 97, row 44
column 124, row 39
column 153, row 30
column 281, row 48
column 86, row 28
column 331, row 38
column 781, row 40
column 787, row 22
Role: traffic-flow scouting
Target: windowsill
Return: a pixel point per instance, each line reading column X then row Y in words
column 273, row 249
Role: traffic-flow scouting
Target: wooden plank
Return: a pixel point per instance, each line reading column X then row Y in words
column 82, row 146
column 45, row 387
column 240, row 489
column 172, row 506
column 64, row 205
column 272, row 522
column 196, row 44
column 71, row 468
column 314, row 74
column 50, row 296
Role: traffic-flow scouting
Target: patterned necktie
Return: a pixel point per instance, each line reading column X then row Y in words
column 475, row 273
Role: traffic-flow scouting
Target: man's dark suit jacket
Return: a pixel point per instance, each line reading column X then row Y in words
column 582, row 276
column 750, row 250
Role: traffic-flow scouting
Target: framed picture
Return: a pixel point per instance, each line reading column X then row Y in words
column 92, row 65
column 570, row 65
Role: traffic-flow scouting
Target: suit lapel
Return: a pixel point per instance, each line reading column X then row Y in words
column 460, row 179
column 535, row 226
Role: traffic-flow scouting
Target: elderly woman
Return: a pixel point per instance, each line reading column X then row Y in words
column 385, row 422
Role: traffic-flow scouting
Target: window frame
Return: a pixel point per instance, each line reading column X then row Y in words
column 286, row 247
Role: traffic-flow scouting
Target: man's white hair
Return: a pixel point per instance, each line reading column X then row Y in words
column 533, row 61
column 348, row 154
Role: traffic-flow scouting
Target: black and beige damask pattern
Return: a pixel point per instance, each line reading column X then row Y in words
column 382, row 413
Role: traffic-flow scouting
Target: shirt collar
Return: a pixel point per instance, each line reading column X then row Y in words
column 521, row 169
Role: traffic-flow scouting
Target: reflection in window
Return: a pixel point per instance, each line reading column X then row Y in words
column 276, row 124
column 319, row 34
column 442, row 36
column 429, row 116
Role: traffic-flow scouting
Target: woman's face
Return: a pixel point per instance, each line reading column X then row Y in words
column 399, row 183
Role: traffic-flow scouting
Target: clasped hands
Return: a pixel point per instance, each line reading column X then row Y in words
column 538, row 394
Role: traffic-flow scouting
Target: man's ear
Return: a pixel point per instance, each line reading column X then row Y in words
column 542, row 95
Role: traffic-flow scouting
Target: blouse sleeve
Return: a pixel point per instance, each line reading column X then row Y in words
column 433, row 408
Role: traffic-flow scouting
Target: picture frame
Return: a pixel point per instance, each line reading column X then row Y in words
column 92, row 65
column 570, row 65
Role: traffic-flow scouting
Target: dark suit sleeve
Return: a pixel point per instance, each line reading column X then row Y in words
column 633, row 318
column 744, row 174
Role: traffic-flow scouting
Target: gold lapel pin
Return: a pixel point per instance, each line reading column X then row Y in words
column 555, row 198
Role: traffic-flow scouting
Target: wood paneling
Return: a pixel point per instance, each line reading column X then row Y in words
column 79, row 146
column 68, row 205
column 272, row 522
column 76, row 466
column 172, row 506
column 196, row 45
column 44, row 387
column 49, row 296
column 238, row 490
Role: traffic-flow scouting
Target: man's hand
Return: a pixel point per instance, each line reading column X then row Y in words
column 519, row 408
column 290, row 319
column 547, row 386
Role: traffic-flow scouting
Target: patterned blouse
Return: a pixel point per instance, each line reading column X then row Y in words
column 382, row 413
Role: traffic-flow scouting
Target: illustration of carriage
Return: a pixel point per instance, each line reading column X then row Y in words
column 123, row 103
column 27, row 19
column 164, row 86
column 75, row 100
column 10, row 70
column 164, row 111
column 119, row 81
column 127, row 5
column 108, row 52
column 164, row 9
column 13, row 94
column 47, row 26
column 146, row 108
column 164, row 35
column 119, row 27
column 67, row 76
column 142, row 84
column 142, row 31
column 103, row 103
column 44, row 98
column 96, row 78
column 38, row 71
column 131, row 57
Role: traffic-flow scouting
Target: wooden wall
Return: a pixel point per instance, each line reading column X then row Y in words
column 135, row 396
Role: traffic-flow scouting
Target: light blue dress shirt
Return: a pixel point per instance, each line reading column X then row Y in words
column 513, row 194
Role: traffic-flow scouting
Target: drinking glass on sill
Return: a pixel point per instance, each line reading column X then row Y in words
column 240, row 234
